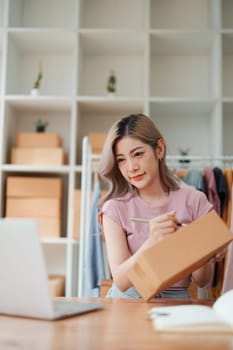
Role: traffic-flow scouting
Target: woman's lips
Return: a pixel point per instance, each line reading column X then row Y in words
column 137, row 177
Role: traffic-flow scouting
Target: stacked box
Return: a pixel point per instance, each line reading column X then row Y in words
column 76, row 214
column 38, row 149
column 96, row 140
column 38, row 140
column 39, row 198
column 57, row 285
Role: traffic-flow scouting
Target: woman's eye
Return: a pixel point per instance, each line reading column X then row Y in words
column 119, row 160
column 138, row 154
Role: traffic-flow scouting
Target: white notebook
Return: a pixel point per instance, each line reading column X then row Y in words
column 194, row 318
column 24, row 287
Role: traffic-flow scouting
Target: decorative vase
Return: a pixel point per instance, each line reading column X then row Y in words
column 111, row 94
column 35, row 92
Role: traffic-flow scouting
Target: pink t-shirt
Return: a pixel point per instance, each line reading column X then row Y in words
column 188, row 203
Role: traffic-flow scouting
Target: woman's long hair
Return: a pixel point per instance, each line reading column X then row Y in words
column 141, row 127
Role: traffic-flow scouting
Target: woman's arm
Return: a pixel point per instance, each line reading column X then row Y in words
column 202, row 276
column 119, row 257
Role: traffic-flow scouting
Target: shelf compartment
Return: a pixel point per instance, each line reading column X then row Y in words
column 183, row 64
column 174, row 118
column 226, row 11
column 103, row 51
column 99, row 115
column 43, row 13
column 113, row 14
column 227, row 127
column 61, row 217
column 183, row 14
column 1, row 58
column 55, row 51
column 21, row 115
column 227, row 65
column 2, row 12
column 55, row 257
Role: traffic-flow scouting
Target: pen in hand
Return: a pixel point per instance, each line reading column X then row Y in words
column 145, row 220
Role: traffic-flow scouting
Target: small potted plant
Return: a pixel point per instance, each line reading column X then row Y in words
column 111, row 84
column 41, row 125
column 37, row 83
column 184, row 152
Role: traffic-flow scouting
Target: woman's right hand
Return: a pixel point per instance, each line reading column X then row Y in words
column 162, row 226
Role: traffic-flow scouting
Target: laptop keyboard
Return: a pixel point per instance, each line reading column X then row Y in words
column 72, row 307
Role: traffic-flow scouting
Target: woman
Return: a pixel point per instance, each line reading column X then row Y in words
column 141, row 185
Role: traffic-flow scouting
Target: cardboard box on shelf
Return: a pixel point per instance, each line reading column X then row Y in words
column 179, row 254
column 96, row 140
column 49, row 227
column 33, row 207
column 23, row 186
column 38, row 140
column 56, row 285
column 76, row 213
column 39, row 198
column 38, row 156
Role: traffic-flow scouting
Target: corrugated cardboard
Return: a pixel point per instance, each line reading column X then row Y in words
column 76, row 213
column 33, row 207
column 57, row 285
column 178, row 255
column 38, row 156
column 38, row 140
column 38, row 198
column 96, row 140
column 23, row 186
column 49, row 227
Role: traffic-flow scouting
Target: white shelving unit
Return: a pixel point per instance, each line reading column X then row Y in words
column 173, row 60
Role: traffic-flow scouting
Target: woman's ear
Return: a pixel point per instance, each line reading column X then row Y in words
column 160, row 149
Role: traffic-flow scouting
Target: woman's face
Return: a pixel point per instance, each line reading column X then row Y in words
column 137, row 162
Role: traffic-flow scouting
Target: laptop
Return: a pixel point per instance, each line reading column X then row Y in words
column 24, row 289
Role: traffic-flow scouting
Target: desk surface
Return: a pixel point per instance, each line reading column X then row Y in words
column 120, row 325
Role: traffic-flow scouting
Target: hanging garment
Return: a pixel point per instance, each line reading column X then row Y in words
column 95, row 254
column 228, row 274
column 227, row 209
column 213, row 197
column 221, row 186
column 211, row 188
column 196, row 179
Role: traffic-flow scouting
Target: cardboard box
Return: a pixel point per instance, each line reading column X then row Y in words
column 38, row 156
column 76, row 213
column 33, row 207
column 49, row 227
column 178, row 255
column 57, row 285
column 96, row 140
column 23, row 186
column 38, row 140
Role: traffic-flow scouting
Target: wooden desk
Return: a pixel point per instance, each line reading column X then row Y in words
column 121, row 325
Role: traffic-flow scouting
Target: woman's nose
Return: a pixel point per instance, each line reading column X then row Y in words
column 132, row 164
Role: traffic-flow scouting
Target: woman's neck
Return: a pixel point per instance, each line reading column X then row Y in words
column 158, row 196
